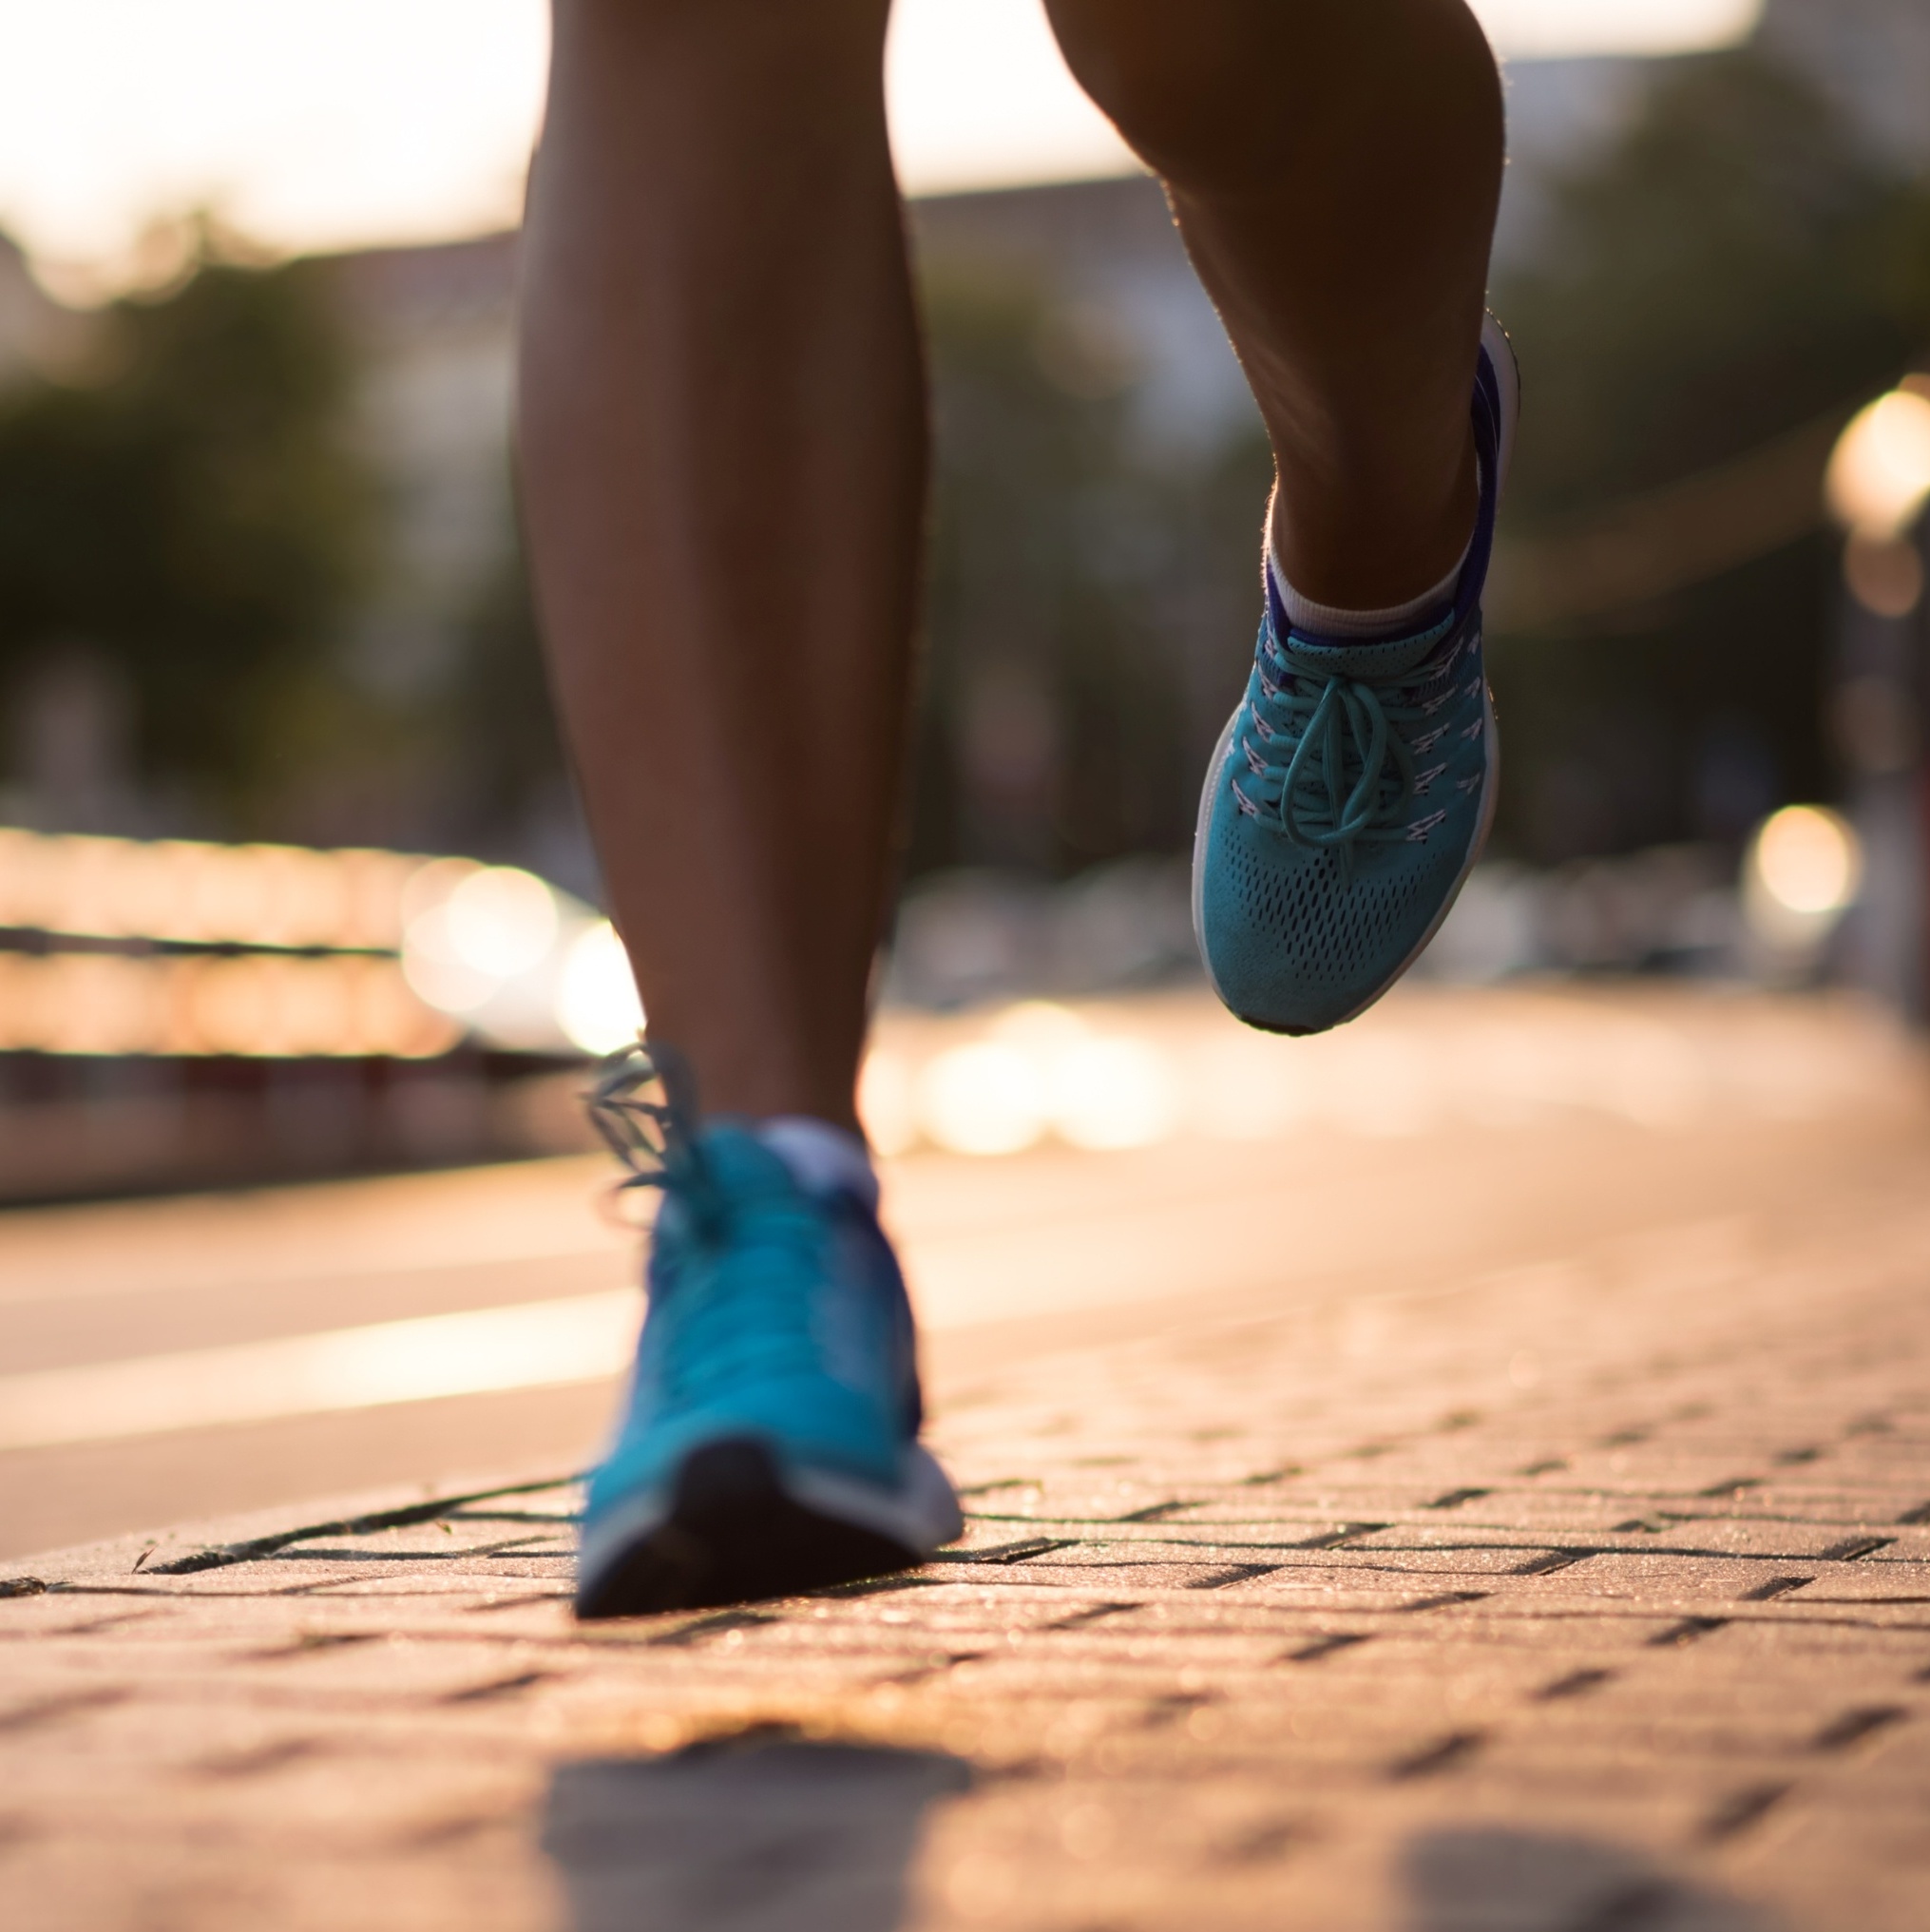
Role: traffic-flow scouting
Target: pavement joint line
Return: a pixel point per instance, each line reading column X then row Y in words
column 1575, row 1684
column 1232, row 1573
column 1742, row 1810
column 1853, row 1725
column 252, row 1551
column 1855, row 1549
column 1099, row 1613
column 1447, row 1753
column 1688, row 1630
column 1328, row 1646
column 500, row 1687
column 1774, row 1587
column 53, row 1709
column 1554, row 1562
column 1005, row 1554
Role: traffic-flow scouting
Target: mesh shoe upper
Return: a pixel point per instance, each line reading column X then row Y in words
column 1349, row 796
column 775, row 1314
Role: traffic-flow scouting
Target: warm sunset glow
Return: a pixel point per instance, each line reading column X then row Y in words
column 317, row 124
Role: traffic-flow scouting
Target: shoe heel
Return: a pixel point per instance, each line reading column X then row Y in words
column 735, row 1535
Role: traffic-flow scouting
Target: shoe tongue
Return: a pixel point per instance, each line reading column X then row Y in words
column 726, row 1164
column 741, row 1163
column 1374, row 660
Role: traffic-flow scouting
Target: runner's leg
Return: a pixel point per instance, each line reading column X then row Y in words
column 723, row 452
column 1335, row 168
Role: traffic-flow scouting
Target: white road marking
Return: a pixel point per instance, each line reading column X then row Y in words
column 307, row 1236
column 958, row 1282
column 536, row 1345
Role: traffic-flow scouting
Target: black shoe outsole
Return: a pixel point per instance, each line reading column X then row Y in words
column 734, row 1535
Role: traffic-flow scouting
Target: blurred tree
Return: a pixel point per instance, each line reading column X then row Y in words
column 1053, row 722
column 1738, row 262
column 194, row 516
column 499, row 719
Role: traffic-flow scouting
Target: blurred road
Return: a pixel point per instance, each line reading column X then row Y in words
column 165, row 1360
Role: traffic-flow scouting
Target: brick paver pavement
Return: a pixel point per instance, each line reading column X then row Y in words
column 1578, row 1597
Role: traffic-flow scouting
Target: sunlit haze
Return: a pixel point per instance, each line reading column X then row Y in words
column 331, row 123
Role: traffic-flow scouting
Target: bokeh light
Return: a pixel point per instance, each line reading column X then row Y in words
column 185, row 892
column 1884, row 574
column 1112, row 1092
column 597, row 1004
column 501, row 920
column 1039, row 1068
column 886, row 1103
column 1808, row 859
column 1879, row 475
column 434, row 965
column 260, row 1005
column 1804, row 867
column 988, row 1096
column 481, row 930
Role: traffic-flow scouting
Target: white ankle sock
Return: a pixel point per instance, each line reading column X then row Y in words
column 822, row 1159
column 1328, row 620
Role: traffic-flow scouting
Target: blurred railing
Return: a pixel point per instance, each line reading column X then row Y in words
column 174, row 1012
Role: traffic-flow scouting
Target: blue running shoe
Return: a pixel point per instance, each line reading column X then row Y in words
column 770, row 1440
column 1352, row 790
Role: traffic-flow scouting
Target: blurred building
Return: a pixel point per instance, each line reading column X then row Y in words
column 1872, row 57
column 435, row 328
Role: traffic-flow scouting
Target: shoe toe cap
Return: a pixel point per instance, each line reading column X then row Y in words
column 1297, row 940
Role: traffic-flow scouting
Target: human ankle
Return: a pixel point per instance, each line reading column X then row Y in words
column 1369, row 540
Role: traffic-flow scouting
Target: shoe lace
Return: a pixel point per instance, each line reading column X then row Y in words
column 727, row 1326
column 644, row 1105
column 1337, row 756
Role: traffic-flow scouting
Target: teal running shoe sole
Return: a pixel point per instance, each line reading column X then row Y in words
column 734, row 1526
column 1327, row 852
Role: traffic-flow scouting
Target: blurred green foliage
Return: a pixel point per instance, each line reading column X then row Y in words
column 190, row 510
column 497, row 721
column 1735, row 264
column 1052, row 725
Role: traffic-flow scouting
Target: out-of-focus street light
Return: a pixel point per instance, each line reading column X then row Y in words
column 282, row 952
column 1804, row 867
column 520, row 963
column 596, row 996
column 1876, row 484
column 1041, row 1069
column 1879, row 475
column 1877, row 487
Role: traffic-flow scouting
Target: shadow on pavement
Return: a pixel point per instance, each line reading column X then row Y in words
column 759, row 1830
column 1482, row 1881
